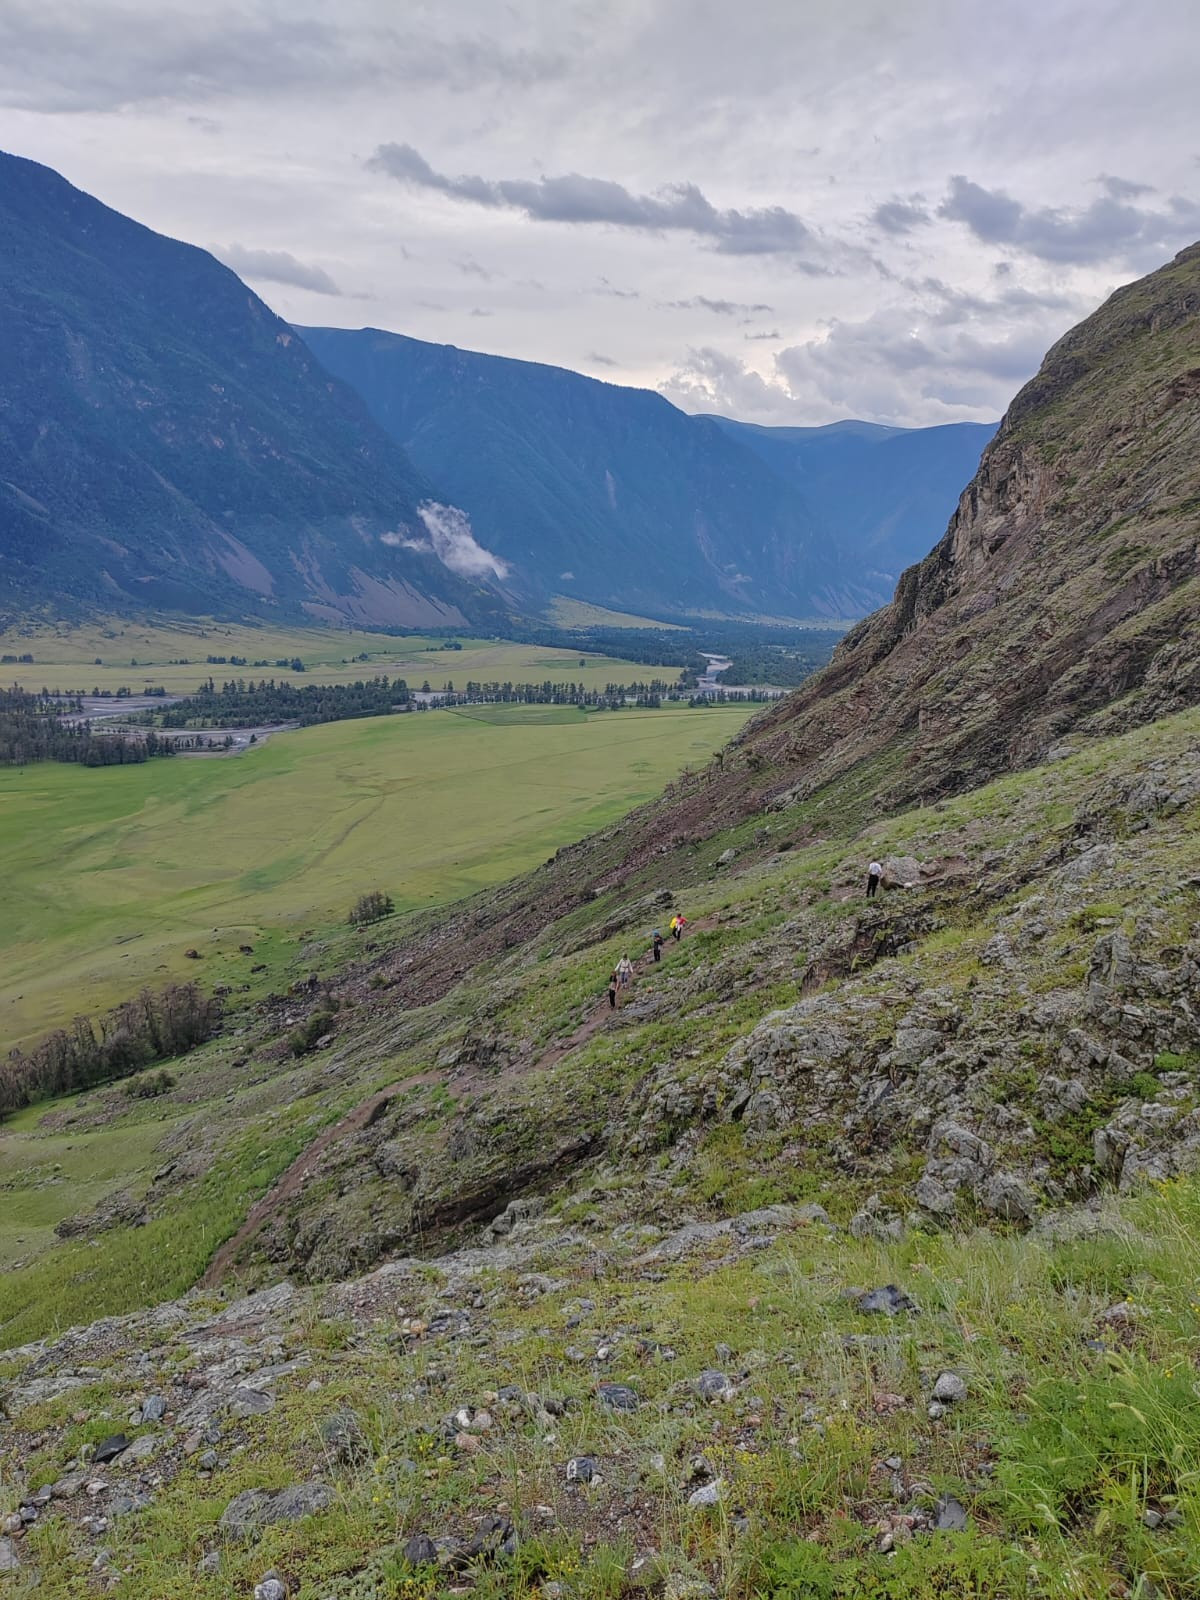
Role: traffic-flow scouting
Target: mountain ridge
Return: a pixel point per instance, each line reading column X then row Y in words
column 166, row 440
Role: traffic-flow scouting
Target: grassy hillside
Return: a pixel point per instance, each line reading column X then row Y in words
column 702, row 1183
column 111, row 875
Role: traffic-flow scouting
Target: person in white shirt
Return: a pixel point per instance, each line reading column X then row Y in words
column 874, row 873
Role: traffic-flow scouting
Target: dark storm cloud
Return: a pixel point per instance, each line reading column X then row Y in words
column 107, row 55
column 275, row 266
column 574, row 198
column 1108, row 229
column 900, row 216
column 721, row 308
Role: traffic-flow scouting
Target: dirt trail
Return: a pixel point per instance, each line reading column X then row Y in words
column 294, row 1177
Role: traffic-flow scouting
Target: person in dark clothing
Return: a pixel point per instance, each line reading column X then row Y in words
column 874, row 873
column 614, row 984
column 657, row 945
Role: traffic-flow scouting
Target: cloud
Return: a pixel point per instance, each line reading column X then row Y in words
column 111, row 54
column 576, row 199
column 602, row 361
column 610, row 289
column 1107, row 230
column 1123, row 188
column 721, row 308
column 773, row 334
column 900, row 216
column 275, row 266
column 452, row 542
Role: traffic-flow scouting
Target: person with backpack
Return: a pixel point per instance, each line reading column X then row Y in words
column 678, row 924
column 625, row 971
column 657, row 945
column 614, row 983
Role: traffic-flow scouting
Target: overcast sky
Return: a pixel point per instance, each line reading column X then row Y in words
column 784, row 210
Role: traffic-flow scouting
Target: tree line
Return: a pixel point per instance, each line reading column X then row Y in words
column 32, row 728
column 241, row 702
column 154, row 1027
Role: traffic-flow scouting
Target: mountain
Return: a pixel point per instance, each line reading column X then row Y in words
column 165, row 440
column 605, row 493
column 852, row 1254
column 878, row 492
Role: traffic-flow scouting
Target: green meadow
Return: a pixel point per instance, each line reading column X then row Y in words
column 111, row 874
column 172, row 656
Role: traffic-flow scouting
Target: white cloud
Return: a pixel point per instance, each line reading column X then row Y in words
column 275, row 266
column 452, row 542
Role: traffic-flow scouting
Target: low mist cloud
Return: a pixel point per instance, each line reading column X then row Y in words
column 452, row 542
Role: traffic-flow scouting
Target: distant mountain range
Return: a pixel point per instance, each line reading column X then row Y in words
column 616, row 496
column 167, row 442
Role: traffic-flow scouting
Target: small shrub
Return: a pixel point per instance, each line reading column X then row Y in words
column 372, row 907
column 150, row 1086
column 302, row 1039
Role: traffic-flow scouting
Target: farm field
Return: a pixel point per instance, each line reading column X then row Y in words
column 65, row 657
column 111, row 874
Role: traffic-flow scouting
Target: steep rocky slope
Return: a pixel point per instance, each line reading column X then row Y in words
column 167, row 441
column 852, row 1255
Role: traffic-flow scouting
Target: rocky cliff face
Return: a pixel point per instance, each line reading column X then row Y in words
column 1063, row 596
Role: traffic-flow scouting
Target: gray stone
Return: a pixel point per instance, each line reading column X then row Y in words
column 888, row 1301
column 710, row 1494
column 210, row 1563
column 255, row 1509
column 581, row 1469
column 250, row 1403
column 271, row 1588
column 950, row 1388
column 420, row 1550
column 1008, row 1197
column 154, row 1408
column 142, row 1448
column 9, row 1559
column 617, row 1396
column 342, row 1434
column 712, row 1385
column 951, row 1515
column 681, row 1586
column 109, row 1449
column 936, row 1411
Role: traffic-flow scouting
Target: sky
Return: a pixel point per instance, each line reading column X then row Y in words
column 788, row 211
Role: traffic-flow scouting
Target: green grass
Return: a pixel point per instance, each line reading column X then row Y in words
column 111, row 875
column 65, row 657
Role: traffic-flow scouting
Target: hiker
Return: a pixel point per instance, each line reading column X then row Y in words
column 874, row 873
column 657, row 945
column 677, row 926
column 625, row 971
column 614, row 984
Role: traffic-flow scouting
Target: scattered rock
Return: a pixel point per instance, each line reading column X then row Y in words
column 888, row 1301
column 950, row 1388
column 420, row 1550
column 581, row 1469
column 951, row 1515
column 109, row 1449
column 255, row 1509
column 154, row 1408
column 210, row 1563
column 713, row 1386
column 342, row 1434
column 709, row 1494
column 9, row 1559
column 272, row 1587
column 617, row 1396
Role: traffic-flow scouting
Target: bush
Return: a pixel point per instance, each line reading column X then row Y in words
column 371, row 907
column 302, row 1039
column 150, row 1086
